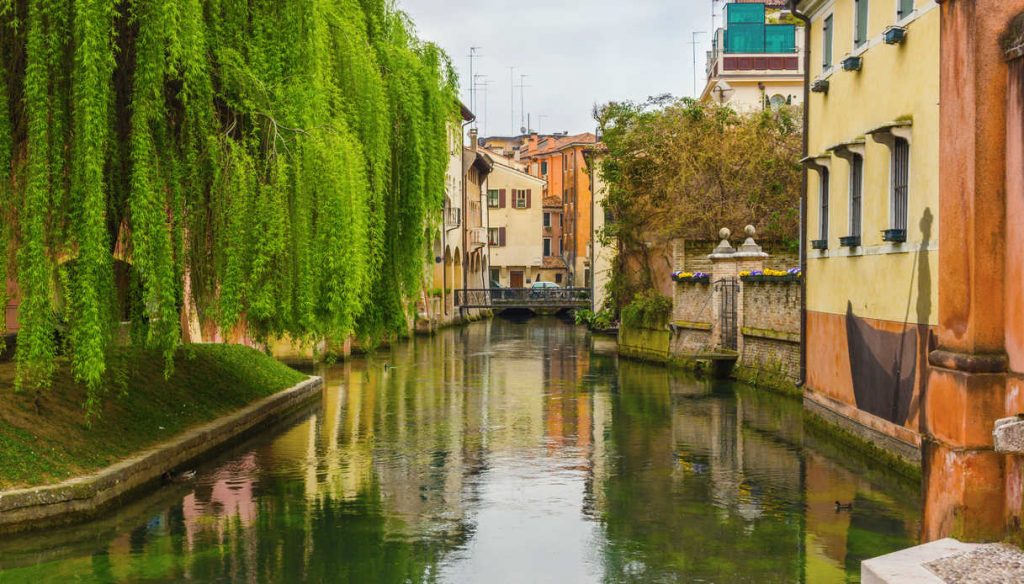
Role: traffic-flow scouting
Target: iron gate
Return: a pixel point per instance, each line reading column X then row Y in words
column 727, row 290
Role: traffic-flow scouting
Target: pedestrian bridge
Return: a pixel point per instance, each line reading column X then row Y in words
column 523, row 298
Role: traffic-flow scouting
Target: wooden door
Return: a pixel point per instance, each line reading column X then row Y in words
column 515, row 279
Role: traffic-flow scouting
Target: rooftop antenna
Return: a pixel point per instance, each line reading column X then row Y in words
column 694, row 44
column 512, row 101
column 483, row 86
column 472, row 89
column 522, row 102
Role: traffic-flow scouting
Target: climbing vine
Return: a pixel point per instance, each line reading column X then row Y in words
column 214, row 164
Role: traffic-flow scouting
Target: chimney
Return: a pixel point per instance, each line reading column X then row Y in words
column 473, row 139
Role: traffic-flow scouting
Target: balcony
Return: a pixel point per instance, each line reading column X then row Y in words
column 452, row 217
column 478, row 237
column 755, row 54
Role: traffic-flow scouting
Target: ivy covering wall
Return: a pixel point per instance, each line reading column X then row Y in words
column 274, row 163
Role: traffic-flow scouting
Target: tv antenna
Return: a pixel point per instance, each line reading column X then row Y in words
column 694, row 44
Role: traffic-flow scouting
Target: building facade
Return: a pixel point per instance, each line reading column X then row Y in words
column 515, row 229
column 559, row 160
column 756, row 60
column 872, row 214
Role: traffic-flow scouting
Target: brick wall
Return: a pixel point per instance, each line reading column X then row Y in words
column 692, row 303
column 689, row 342
column 772, row 306
column 692, row 255
column 771, row 328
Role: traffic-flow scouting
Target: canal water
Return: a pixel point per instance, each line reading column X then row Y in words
column 504, row 452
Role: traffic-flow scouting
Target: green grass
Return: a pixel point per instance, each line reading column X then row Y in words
column 140, row 408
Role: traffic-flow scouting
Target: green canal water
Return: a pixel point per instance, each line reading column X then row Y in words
column 504, row 452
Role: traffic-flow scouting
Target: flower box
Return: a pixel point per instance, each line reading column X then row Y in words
column 853, row 63
column 850, row 241
column 772, row 276
column 894, row 35
column 894, row 235
column 691, row 278
column 820, row 86
column 820, row 244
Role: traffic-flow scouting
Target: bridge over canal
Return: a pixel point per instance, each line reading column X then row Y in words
column 536, row 299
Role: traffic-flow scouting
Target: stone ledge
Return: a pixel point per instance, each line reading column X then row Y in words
column 85, row 496
column 1008, row 435
column 771, row 335
column 696, row 326
column 907, row 566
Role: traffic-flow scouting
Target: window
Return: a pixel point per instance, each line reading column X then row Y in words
column 823, row 204
column 547, row 220
column 521, row 199
column 904, row 9
column 544, row 168
column 856, row 193
column 558, row 278
column 547, row 246
column 495, row 276
column 494, row 236
column 860, row 28
column 900, row 182
column 559, row 219
column 561, row 249
column 826, row 43
column 493, row 199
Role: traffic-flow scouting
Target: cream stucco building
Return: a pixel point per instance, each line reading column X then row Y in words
column 518, row 247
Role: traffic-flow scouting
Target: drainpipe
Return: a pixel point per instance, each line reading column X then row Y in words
column 803, row 192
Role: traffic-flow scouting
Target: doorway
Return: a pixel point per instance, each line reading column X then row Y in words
column 515, row 279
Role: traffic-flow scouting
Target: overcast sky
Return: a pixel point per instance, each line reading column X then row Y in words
column 575, row 53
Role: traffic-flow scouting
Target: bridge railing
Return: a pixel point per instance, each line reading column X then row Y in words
column 523, row 297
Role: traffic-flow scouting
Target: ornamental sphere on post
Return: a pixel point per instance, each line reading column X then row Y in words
column 724, row 233
column 750, row 231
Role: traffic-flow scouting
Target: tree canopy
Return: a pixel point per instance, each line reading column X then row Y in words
column 678, row 168
column 277, row 163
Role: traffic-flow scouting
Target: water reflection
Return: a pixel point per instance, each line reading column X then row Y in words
column 504, row 452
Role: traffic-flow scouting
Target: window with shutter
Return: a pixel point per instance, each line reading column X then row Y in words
column 904, row 9
column 861, row 25
column 823, row 204
column 501, row 198
column 547, row 246
column 826, row 43
column 856, row 190
column 501, row 236
column 900, row 183
column 529, row 197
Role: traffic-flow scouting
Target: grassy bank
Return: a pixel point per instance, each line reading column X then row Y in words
column 141, row 408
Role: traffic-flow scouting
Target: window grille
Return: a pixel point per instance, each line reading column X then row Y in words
column 900, row 182
column 823, row 204
column 856, row 193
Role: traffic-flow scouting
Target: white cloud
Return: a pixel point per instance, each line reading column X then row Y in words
column 575, row 52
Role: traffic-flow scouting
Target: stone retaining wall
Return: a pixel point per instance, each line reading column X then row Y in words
column 770, row 329
column 83, row 497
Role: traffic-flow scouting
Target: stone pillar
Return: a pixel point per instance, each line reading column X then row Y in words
column 726, row 263
column 964, row 478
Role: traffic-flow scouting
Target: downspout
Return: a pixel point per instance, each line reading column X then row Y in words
column 803, row 191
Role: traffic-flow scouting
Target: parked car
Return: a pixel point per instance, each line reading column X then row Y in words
column 547, row 290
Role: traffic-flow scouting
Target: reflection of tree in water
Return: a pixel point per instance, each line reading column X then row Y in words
column 661, row 523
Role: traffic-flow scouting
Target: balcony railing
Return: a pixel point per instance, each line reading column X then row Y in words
column 452, row 217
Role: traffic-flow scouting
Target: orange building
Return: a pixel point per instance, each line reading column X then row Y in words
column 559, row 160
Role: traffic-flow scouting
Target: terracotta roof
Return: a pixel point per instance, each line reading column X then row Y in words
column 552, row 201
column 551, row 262
column 554, row 144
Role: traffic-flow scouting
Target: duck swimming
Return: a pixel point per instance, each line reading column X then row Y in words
column 843, row 506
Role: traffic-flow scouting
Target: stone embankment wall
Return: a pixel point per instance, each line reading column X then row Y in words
column 770, row 329
column 765, row 315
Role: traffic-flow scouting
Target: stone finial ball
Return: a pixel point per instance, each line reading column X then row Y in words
column 724, row 233
column 749, row 230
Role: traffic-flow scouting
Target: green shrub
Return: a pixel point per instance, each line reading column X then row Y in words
column 600, row 320
column 649, row 309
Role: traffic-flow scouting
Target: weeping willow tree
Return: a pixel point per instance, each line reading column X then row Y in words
column 269, row 163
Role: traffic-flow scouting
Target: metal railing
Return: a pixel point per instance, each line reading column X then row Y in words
column 523, row 298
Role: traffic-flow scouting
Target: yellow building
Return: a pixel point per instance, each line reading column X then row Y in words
column 871, row 220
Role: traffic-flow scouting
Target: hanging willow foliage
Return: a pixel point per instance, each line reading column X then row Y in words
column 284, row 158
